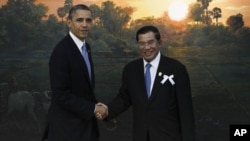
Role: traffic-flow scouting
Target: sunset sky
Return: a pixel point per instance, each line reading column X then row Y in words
column 145, row 8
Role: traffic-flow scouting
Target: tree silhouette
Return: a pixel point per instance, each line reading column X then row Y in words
column 21, row 18
column 96, row 14
column 67, row 5
column 196, row 12
column 206, row 13
column 216, row 14
column 235, row 22
column 111, row 21
column 114, row 18
column 61, row 12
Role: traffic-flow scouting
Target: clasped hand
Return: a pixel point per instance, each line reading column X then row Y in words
column 101, row 111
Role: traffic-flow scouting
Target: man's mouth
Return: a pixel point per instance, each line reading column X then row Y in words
column 147, row 53
column 85, row 31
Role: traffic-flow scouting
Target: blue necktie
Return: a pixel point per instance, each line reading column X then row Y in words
column 86, row 59
column 148, row 79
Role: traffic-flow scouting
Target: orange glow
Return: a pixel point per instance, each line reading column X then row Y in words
column 156, row 8
column 177, row 10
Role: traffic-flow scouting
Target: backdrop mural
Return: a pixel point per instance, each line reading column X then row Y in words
column 211, row 37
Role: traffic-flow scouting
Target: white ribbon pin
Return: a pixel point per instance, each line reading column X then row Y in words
column 165, row 78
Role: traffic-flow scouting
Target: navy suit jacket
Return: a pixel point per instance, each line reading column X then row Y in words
column 168, row 114
column 71, row 114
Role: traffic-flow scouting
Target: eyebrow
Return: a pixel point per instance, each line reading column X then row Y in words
column 147, row 41
column 87, row 19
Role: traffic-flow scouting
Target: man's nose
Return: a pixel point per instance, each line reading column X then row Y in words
column 147, row 46
column 84, row 23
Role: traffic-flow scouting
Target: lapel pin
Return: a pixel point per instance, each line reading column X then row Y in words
column 165, row 78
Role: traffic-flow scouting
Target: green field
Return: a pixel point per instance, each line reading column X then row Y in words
column 220, row 81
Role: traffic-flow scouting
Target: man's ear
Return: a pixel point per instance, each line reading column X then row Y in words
column 69, row 23
column 160, row 41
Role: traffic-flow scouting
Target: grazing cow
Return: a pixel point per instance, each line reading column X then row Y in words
column 17, row 102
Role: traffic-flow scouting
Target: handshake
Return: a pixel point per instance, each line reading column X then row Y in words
column 101, row 111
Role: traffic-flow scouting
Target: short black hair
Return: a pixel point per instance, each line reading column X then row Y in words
column 73, row 10
column 146, row 29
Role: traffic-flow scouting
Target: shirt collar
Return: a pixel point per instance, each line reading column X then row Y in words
column 77, row 41
column 154, row 62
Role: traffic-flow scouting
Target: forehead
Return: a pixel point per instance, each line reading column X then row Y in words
column 146, row 36
column 82, row 14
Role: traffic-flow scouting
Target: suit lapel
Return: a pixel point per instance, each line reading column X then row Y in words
column 137, row 76
column 76, row 53
column 157, row 83
column 91, row 65
column 142, row 79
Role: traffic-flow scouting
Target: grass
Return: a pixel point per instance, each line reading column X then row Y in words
column 219, row 79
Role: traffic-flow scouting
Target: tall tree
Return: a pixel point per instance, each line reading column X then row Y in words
column 205, row 3
column 96, row 14
column 206, row 14
column 196, row 12
column 216, row 14
column 61, row 12
column 67, row 5
column 113, row 18
column 49, row 32
column 21, row 18
column 235, row 22
column 26, row 10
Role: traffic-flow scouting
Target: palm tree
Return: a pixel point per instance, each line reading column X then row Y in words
column 205, row 15
column 61, row 12
column 67, row 5
column 196, row 12
column 217, row 14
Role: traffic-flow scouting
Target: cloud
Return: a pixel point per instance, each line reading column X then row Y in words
column 243, row 7
column 220, row 1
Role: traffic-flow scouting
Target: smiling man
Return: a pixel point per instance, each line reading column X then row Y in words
column 71, row 115
column 158, row 89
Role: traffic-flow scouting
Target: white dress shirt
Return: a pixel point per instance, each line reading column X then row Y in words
column 77, row 41
column 153, row 69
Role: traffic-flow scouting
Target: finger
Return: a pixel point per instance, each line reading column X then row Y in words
column 98, row 116
column 100, row 104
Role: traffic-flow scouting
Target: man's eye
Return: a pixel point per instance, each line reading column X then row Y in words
column 151, row 42
column 89, row 20
column 79, row 20
column 142, row 43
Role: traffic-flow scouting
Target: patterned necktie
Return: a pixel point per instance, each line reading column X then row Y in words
column 148, row 79
column 86, row 59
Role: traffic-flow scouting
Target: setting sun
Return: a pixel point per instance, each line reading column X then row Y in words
column 177, row 10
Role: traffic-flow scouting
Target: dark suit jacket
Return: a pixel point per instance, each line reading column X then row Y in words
column 71, row 114
column 168, row 114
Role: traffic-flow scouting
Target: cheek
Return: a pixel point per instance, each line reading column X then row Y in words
column 69, row 24
column 141, row 50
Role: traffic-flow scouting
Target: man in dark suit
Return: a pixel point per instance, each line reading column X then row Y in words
column 71, row 114
column 162, row 107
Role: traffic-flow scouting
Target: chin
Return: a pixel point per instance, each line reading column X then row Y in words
column 148, row 59
column 83, row 37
